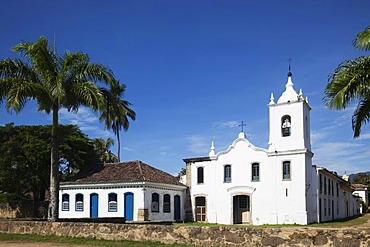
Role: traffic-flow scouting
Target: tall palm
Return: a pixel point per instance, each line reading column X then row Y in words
column 116, row 112
column 350, row 82
column 103, row 149
column 54, row 82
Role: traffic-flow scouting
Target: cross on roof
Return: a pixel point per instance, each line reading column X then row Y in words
column 289, row 61
column 242, row 125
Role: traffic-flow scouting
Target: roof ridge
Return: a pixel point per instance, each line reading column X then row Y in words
column 141, row 171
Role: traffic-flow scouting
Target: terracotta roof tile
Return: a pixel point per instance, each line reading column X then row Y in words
column 132, row 171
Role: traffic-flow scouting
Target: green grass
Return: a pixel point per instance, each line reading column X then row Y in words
column 355, row 221
column 80, row 241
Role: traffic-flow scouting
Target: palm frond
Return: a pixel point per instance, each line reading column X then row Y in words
column 86, row 93
column 362, row 40
column 99, row 73
column 21, row 92
column 349, row 82
column 361, row 115
column 42, row 58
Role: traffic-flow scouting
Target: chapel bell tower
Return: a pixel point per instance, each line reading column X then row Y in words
column 289, row 121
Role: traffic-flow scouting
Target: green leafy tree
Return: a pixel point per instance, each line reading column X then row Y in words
column 350, row 82
column 54, row 81
column 361, row 178
column 102, row 148
column 77, row 151
column 117, row 112
column 181, row 173
column 25, row 158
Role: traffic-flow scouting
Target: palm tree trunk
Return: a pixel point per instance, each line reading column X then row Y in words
column 54, row 169
column 119, row 147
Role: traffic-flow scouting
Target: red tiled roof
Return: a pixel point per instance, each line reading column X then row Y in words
column 132, row 171
column 360, row 186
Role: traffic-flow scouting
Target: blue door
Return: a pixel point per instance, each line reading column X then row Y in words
column 94, row 200
column 177, row 211
column 129, row 206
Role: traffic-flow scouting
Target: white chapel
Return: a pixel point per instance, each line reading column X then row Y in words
column 245, row 184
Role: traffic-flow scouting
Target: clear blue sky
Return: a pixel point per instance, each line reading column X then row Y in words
column 194, row 69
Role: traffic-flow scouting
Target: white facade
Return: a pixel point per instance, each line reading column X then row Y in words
column 335, row 199
column 251, row 185
column 133, row 200
column 141, row 194
column 362, row 191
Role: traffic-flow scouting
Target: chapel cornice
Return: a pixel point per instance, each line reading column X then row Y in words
column 241, row 138
column 291, row 152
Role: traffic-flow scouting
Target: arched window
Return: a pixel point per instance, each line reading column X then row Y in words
column 166, row 203
column 286, row 170
column 255, row 172
column 227, row 173
column 286, row 122
column 200, row 174
column 155, row 202
column 112, row 202
column 79, row 202
column 65, row 202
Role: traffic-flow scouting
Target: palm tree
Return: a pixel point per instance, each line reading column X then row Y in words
column 102, row 147
column 350, row 82
column 116, row 112
column 54, row 82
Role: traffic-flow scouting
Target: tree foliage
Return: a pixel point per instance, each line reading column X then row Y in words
column 362, row 178
column 54, row 81
column 350, row 83
column 102, row 149
column 117, row 112
column 25, row 159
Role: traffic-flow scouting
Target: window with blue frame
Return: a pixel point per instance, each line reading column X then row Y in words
column 79, row 202
column 65, row 202
column 286, row 170
column 112, row 202
column 255, row 172
column 227, row 173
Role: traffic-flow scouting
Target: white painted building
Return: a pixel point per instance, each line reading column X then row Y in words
column 279, row 185
column 362, row 191
column 133, row 190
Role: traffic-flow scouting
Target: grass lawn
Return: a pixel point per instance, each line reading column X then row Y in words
column 79, row 241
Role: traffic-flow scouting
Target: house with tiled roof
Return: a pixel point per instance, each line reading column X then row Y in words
column 133, row 190
column 363, row 192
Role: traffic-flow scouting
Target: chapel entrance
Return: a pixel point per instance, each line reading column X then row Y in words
column 241, row 209
column 200, row 209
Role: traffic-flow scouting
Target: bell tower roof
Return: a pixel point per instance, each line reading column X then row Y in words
column 289, row 94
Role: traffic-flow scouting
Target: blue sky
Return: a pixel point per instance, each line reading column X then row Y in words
column 195, row 69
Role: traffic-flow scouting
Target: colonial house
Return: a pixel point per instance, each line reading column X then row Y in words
column 362, row 191
column 245, row 184
column 133, row 190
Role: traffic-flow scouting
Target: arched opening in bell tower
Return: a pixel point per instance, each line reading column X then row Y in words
column 286, row 122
